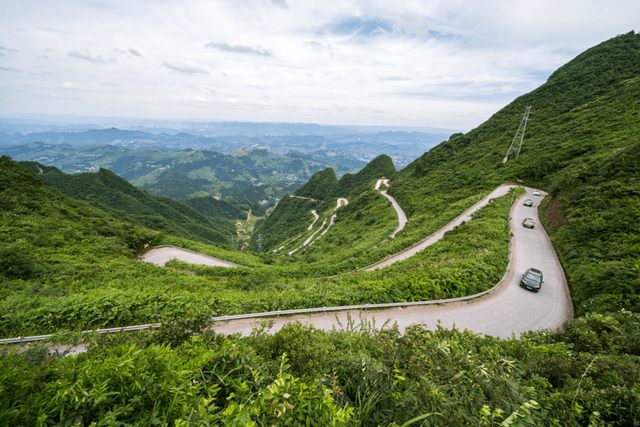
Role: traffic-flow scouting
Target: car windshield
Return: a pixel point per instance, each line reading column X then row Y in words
column 532, row 277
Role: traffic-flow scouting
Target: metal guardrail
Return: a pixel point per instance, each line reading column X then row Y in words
column 100, row 331
column 301, row 310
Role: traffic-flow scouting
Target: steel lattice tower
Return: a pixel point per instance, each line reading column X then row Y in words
column 519, row 134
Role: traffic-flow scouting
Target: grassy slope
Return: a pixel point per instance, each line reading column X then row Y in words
column 279, row 227
column 586, row 375
column 582, row 145
column 111, row 192
column 69, row 265
column 65, row 264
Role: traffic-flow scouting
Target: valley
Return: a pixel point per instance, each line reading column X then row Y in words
column 426, row 320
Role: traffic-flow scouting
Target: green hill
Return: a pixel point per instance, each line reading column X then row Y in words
column 70, row 264
column 65, row 264
column 582, row 145
column 323, row 184
column 114, row 194
column 292, row 215
column 320, row 186
column 213, row 208
column 354, row 184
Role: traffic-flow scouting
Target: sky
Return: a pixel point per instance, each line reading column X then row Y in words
column 438, row 63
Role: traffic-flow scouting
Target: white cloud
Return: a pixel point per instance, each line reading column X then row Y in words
column 209, row 90
column 69, row 85
column 84, row 54
column 184, row 68
column 247, row 50
column 128, row 52
column 431, row 62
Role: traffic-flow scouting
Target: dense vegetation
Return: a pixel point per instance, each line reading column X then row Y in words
column 320, row 186
column 582, row 145
column 108, row 191
column 214, row 208
column 362, row 376
column 323, row 184
column 66, row 265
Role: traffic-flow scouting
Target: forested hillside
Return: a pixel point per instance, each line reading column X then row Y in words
column 214, row 208
column 68, row 266
column 115, row 195
column 292, row 216
column 188, row 173
column 323, row 185
column 582, row 144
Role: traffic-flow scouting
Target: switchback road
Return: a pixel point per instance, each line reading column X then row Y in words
column 507, row 309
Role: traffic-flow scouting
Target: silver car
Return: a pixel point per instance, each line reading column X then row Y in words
column 528, row 223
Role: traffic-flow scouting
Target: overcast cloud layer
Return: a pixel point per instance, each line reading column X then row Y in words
column 448, row 64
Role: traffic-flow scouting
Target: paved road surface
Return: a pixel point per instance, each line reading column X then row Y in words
column 161, row 255
column 402, row 217
column 315, row 214
column 506, row 310
column 465, row 216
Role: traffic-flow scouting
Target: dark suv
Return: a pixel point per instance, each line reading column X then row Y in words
column 531, row 280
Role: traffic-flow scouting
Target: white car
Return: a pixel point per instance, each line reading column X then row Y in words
column 536, row 193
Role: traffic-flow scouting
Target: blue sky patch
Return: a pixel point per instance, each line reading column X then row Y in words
column 358, row 26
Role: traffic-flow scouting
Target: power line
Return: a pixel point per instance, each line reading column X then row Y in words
column 519, row 134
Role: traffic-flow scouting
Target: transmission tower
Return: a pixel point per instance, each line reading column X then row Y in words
column 519, row 135
column 260, row 243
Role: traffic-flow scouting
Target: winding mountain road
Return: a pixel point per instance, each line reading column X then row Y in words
column 465, row 216
column 160, row 255
column 505, row 311
column 402, row 217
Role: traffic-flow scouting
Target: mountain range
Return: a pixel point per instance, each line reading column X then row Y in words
column 69, row 265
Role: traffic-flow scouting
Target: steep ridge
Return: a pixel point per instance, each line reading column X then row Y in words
column 582, row 145
column 320, row 186
column 433, row 202
column 114, row 194
column 323, row 186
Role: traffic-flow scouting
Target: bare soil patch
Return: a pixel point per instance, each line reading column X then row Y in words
column 552, row 213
